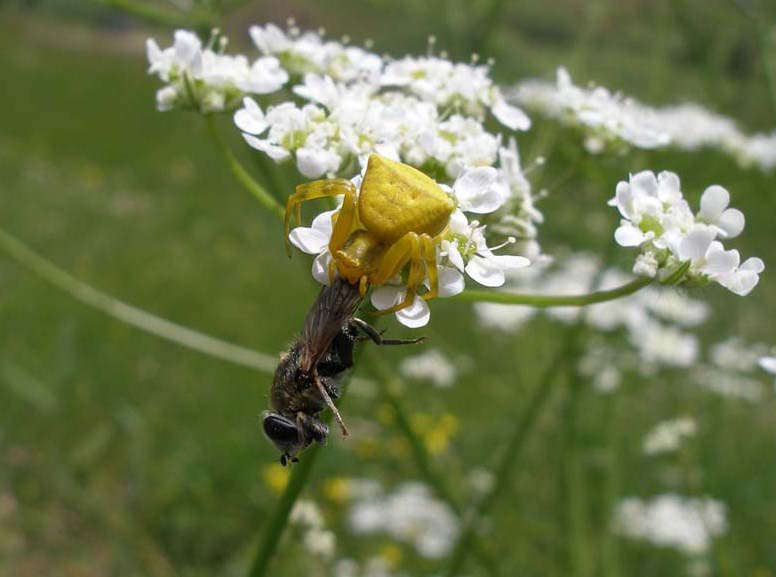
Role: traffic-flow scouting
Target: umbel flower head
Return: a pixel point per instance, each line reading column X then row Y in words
column 206, row 79
column 676, row 245
column 459, row 249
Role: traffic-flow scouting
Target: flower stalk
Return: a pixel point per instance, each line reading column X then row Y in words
column 387, row 384
column 241, row 173
column 133, row 316
column 517, row 440
column 546, row 301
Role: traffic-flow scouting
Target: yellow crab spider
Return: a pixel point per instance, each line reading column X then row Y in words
column 398, row 218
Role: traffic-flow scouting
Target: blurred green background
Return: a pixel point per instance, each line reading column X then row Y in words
column 121, row 454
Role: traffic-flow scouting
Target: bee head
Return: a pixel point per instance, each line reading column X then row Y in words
column 292, row 438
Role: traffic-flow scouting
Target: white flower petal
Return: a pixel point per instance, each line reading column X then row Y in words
column 508, row 261
column 714, row 200
column 768, row 364
column 695, row 244
column 732, row 221
column 321, row 268
column 478, row 190
column 485, row 273
column 644, row 182
column 721, row 262
column 250, row 119
column 415, row 316
column 629, row 235
column 308, row 240
column 276, row 153
column 740, row 282
column 451, row 281
column 386, row 296
column 753, row 264
column 315, row 162
column 510, row 116
column 455, row 255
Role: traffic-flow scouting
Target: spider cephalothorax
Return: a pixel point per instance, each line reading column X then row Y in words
column 397, row 218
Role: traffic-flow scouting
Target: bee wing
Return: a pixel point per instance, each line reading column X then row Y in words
column 335, row 305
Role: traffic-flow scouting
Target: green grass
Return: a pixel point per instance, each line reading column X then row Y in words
column 128, row 455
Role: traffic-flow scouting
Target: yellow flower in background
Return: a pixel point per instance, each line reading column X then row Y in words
column 276, row 477
column 366, row 447
column 436, row 432
column 337, row 490
column 386, row 414
column 391, row 554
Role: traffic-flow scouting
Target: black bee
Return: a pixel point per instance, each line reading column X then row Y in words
column 305, row 381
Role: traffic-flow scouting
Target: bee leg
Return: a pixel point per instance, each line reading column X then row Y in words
column 377, row 336
column 284, row 459
column 295, row 460
column 331, row 405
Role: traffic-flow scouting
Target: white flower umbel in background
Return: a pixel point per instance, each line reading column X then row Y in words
column 463, row 249
column 205, row 79
column 608, row 120
column 768, row 364
column 668, row 436
column 611, row 120
column 431, row 366
column 316, row 539
column 677, row 246
column 463, row 88
column 655, row 320
column 669, row 520
column 411, row 515
column 308, row 52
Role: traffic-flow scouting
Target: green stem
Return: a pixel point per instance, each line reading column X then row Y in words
column 276, row 525
column 610, row 554
column 242, row 175
column 503, row 471
column 574, row 475
column 545, row 301
column 130, row 315
column 387, row 383
column 274, row 528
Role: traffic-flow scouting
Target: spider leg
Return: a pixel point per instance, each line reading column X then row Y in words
column 309, row 191
column 414, row 255
column 395, row 258
column 429, row 254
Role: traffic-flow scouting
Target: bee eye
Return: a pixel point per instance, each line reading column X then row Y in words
column 280, row 429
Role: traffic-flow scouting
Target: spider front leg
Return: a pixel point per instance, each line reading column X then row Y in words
column 429, row 254
column 310, row 191
column 407, row 249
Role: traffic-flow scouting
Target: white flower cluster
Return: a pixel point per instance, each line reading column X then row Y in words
column 653, row 319
column 768, row 364
column 431, row 366
column 316, row 539
column 668, row 436
column 410, row 514
column 375, row 566
column 205, row 79
column 607, row 119
column 611, row 120
column 464, row 249
column 670, row 520
column 427, row 111
column 731, row 370
column 676, row 245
